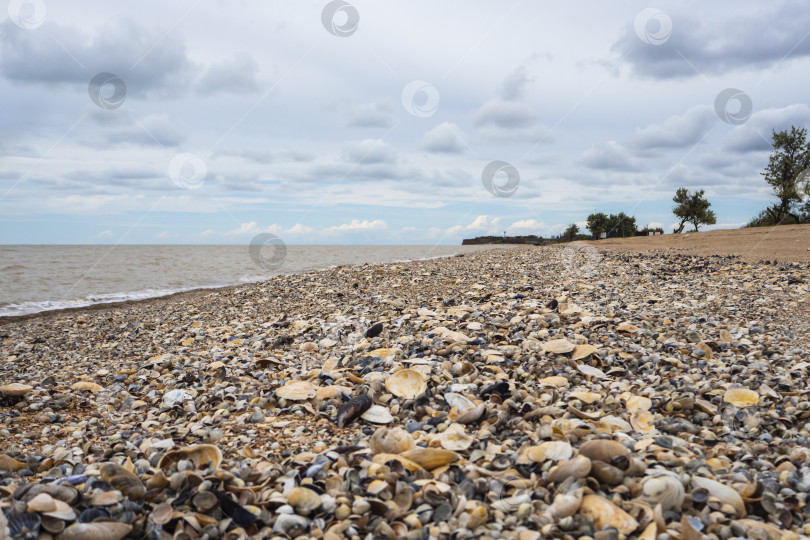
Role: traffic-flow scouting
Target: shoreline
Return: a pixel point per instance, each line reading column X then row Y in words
column 194, row 293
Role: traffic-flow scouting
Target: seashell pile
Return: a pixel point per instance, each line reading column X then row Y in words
column 502, row 394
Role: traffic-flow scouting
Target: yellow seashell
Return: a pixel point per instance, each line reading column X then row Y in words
column 406, row 383
column 431, row 458
column 582, row 351
column 86, row 386
column 296, row 391
column 741, row 397
column 558, row 346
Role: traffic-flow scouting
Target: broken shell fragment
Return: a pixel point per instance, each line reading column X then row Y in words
column 558, row 346
column 391, row 441
column 605, row 514
column 455, row 438
column 741, row 397
column 296, row 391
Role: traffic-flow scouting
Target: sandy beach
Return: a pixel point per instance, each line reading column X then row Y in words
column 655, row 386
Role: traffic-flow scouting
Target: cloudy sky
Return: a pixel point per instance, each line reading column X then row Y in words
column 211, row 121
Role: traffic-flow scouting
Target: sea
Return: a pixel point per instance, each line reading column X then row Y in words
column 41, row 278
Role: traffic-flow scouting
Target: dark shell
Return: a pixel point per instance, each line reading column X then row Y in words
column 352, row 409
column 24, row 525
column 375, row 330
column 92, row 514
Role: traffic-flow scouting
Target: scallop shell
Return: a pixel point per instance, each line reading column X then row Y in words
column 15, row 389
column 296, row 391
column 391, row 441
column 635, row 403
column 377, row 414
column 558, row 346
column 406, row 383
column 556, row 381
column 605, row 514
column 42, row 503
column 430, row 458
column 741, row 397
column 583, row 351
column 455, row 438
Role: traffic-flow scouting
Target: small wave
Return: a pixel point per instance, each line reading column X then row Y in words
column 26, row 308
column 13, row 267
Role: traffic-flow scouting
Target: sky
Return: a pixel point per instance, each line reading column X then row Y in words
column 212, row 121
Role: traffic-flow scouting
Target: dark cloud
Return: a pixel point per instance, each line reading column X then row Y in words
column 369, row 151
column 762, row 38
column 612, row 156
column 105, row 130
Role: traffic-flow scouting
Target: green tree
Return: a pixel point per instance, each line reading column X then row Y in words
column 597, row 223
column 621, row 224
column 789, row 158
column 570, row 233
column 692, row 208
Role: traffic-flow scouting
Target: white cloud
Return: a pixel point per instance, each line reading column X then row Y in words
column 357, row 225
column 445, row 138
column 105, row 234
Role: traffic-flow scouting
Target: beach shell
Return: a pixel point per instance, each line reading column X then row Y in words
column 555, row 380
column 663, row 488
column 406, row 383
column 471, row 415
column 627, row 327
column 87, row 386
column 352, row 409
column 477, row 517
column 583, row 351
column 605, row 514
column 15, row 389
column 741, row 397
column 585, row 397
column 635, row 403
column 105, row 530
column 304, row 501
column 458, row 401
column 642, row 421
column 558, row 346
column 603, row 450
column 123, row 480
column 430, row 458
column 455, row 438
column 565, row 504
column 553, row 450
column 578, row 467
column 296, row 391
column 42, row 503
column 201, row 455
column 8, row 463
column 331, row 392
column 391, row 441
column 590, row 371
column 721, row 492
column 382, row 353
column 377, row 414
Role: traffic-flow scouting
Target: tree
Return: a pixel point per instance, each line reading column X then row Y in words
column 597, row 223
column 570, row 233
column 621, row 224
column 692, row 208
column 789, row 158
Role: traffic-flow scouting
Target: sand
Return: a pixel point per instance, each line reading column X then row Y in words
column 788, row 243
